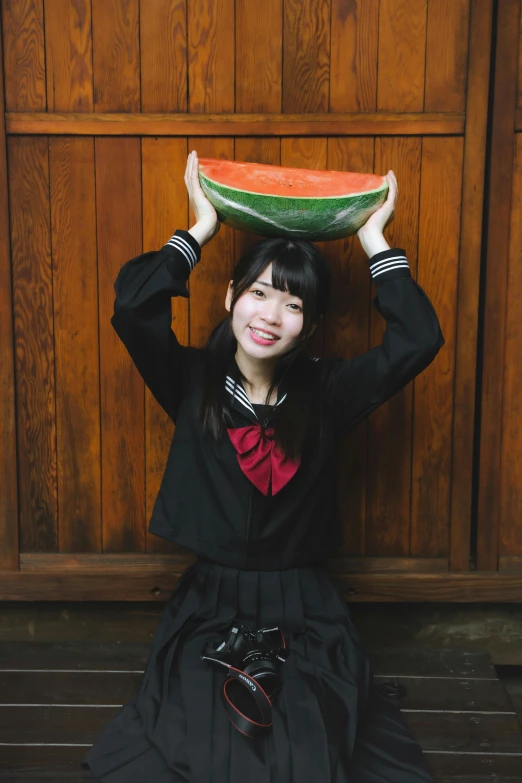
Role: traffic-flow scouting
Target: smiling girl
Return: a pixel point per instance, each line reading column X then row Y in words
column 249, row 487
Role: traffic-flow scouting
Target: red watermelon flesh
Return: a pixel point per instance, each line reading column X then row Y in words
column 287, row 201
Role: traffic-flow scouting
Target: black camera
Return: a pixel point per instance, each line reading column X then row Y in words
column 252, row 659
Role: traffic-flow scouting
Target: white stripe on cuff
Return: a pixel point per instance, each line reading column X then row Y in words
column 403, row 265
column 377, row 264
column 182, row 245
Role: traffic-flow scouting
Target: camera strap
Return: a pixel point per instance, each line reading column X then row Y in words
column 244, row 724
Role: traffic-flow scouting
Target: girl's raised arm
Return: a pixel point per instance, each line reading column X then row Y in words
column 142, row 307
column 413, row 337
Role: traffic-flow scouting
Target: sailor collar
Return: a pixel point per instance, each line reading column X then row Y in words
column 237, row 396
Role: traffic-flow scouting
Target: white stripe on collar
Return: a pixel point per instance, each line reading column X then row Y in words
column 237, row 391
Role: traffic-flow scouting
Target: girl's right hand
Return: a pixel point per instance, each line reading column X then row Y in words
column 201, row 206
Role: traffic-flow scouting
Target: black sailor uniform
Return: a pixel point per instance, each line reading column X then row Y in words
column 259, row 559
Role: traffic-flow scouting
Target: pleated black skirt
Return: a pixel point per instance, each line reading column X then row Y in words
column 330, row 724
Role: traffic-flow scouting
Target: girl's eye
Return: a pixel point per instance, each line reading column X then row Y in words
column 258, row 291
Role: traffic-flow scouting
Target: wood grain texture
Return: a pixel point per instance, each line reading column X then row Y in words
column 346, row 334
column 211, row 56
column 24, row 55
column 437, row 274
column 163, row 48
column 309, row 153
column 127, row 124
column 390, row 426
column 165, row 209
column 8, row 452
column 306, row 59
column 75, row 301
column 34, row 342
column 353, row 56
column 402, row 51
column 68, row 50
column 118, row 216
column 210, row 278
column 149, row 585
column 259, row 56
column 497, row 264
column 116, row 58
column 510, row 490
column 471, row 228
column 447, row 38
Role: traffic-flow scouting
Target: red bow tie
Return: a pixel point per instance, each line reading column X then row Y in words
column 260, row 458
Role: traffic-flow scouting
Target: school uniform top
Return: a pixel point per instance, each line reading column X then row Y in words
column 206, row 502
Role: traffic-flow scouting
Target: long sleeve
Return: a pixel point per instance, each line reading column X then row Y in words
column 413, row 337
column 142, row 317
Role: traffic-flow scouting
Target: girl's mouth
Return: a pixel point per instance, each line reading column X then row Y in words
column 261, row 340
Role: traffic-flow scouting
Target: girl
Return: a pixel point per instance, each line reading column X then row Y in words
column 249, row 486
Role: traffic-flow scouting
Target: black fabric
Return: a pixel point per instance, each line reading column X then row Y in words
column 330, row 723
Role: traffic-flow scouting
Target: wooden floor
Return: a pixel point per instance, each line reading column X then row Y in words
column 55, row 698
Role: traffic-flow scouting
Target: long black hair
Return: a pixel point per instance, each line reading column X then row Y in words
column 300, row 268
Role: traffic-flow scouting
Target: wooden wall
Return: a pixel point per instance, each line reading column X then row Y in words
column 103, row 101
column 499, row 533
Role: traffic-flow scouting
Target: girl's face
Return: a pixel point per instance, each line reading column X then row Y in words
column 265, row 309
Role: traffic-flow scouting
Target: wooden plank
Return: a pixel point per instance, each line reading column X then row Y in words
column 434, row 731
column 497, row 264
column 468, row 289
column 346, row 331
column 93, row 688
column 210, row 54
column 437, row 695
column 76, row 340
column 390, row 427
column 306, row 62
column 402, row 53
column 118, row 210
column 465, row 733
column 34, row 342
column 484, row 767
column 510, row 519
column 116, row 61
column 33, row 561
column 437, row 274
column 45, row 765
column 451, row 663
column 165, row 209
column 163, row 51
column 259, row 56
column 129, row 657
column 353, row 55
column 24, row 55
column 109, row 657
column 111, row 124
column 62, row 764
column 8, row 452
column 447, row 36
column 53, row 688
column 68, row 55
column 209, row 280
column 132, row 584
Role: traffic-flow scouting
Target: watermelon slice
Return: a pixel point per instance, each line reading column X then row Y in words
column 291, row 202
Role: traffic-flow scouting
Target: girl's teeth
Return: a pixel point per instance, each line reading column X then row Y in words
column 264, row 336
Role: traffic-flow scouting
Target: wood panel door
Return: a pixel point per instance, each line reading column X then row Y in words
column 499, row 530
column 103, row 102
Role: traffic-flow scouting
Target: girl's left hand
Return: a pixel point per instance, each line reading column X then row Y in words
column 383, row 216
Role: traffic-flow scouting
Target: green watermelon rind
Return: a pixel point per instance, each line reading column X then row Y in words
column 322, row 218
